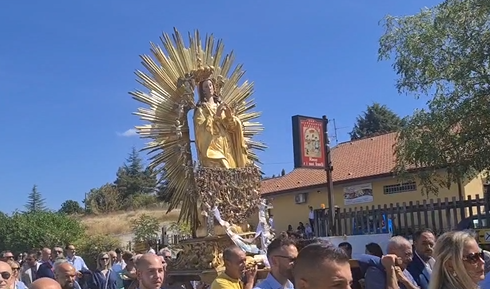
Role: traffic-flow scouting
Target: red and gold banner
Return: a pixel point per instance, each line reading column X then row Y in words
column 309, row 142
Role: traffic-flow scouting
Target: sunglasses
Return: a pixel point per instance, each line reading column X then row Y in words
column 290, row 259
column 9, row 257
column 105, row 259
column 474, row 258
column 5, row 275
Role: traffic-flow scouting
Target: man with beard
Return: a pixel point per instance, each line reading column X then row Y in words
column 150, row 272
column 45, row 283
column 66, row 275
column 6, row 276
column 281, row 253
column 421, row 266
column 322, row 266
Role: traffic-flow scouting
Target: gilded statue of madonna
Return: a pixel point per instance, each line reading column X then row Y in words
column 218, row 132
column 198, row 83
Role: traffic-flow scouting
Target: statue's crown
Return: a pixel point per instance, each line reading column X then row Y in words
column 203, row 72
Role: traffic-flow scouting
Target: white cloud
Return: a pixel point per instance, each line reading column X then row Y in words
column 129, row 133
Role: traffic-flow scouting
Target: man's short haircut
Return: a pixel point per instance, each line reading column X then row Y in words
column 396, row 242
column 419, row 233
column 278, row 243
column 230, row 252
column 303, row 243
column 315, row 254
column 347, row 245
column 118, row 251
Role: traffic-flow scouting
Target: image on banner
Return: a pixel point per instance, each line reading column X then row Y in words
column 359, row 194
column 312, row 147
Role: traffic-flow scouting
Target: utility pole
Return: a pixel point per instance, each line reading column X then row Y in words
column 328, row 171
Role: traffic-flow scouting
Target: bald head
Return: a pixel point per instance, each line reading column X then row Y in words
column 63, row 268
column 65, row 274
column 148, row 260
column 5, row 267
column 45, row 283
column 150, row 271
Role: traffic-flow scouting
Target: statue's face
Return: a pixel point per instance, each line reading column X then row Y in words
column 208, row 88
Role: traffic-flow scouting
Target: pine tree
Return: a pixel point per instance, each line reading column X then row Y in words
column 35, row 201
column 133, row 178
column 283, row 172
column 164, row 192
column 377, row 119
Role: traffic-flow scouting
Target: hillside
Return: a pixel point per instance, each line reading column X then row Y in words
column 119, row 223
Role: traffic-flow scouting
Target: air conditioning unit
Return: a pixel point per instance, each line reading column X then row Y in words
column 300, row 198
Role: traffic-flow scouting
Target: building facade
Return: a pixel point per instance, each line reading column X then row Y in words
column 362, row 176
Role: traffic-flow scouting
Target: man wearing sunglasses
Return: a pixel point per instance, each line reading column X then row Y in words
column 47, row 269
column 6, row 256
column 281, row 254
column 6, row 276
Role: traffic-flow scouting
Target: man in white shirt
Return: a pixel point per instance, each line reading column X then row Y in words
column 311, row 218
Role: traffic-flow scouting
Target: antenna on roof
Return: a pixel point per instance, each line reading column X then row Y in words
column 335, row 128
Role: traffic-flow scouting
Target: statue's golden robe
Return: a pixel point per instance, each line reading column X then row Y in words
column 219, row 139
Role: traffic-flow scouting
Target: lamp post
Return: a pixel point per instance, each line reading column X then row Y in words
column 328, row 171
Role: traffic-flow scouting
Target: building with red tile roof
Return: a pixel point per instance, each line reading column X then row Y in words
column 362, row 177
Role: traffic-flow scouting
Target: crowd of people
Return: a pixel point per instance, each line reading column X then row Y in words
column 116, row 269
column 454, row 260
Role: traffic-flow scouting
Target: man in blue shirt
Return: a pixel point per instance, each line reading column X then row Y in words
column 75, row 260
column 281, row 253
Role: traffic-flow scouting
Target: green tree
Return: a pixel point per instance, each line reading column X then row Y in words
column 4, row 219
column 39, row 229
column 443, row 52
column 71, row 207
column 35, row 201
column 376, row 120
column 104, row 199
column 164, row 192
column 133, row 178
column 145, row 228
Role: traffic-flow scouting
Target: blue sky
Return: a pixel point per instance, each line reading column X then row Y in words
column 66, row 68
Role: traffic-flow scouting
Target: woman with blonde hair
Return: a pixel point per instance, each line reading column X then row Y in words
column 15, row 266
column 459, row 262
column 104, row 277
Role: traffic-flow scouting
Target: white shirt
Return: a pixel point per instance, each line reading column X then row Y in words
column 429, row 264
column 311, row 215
column 308, row 230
